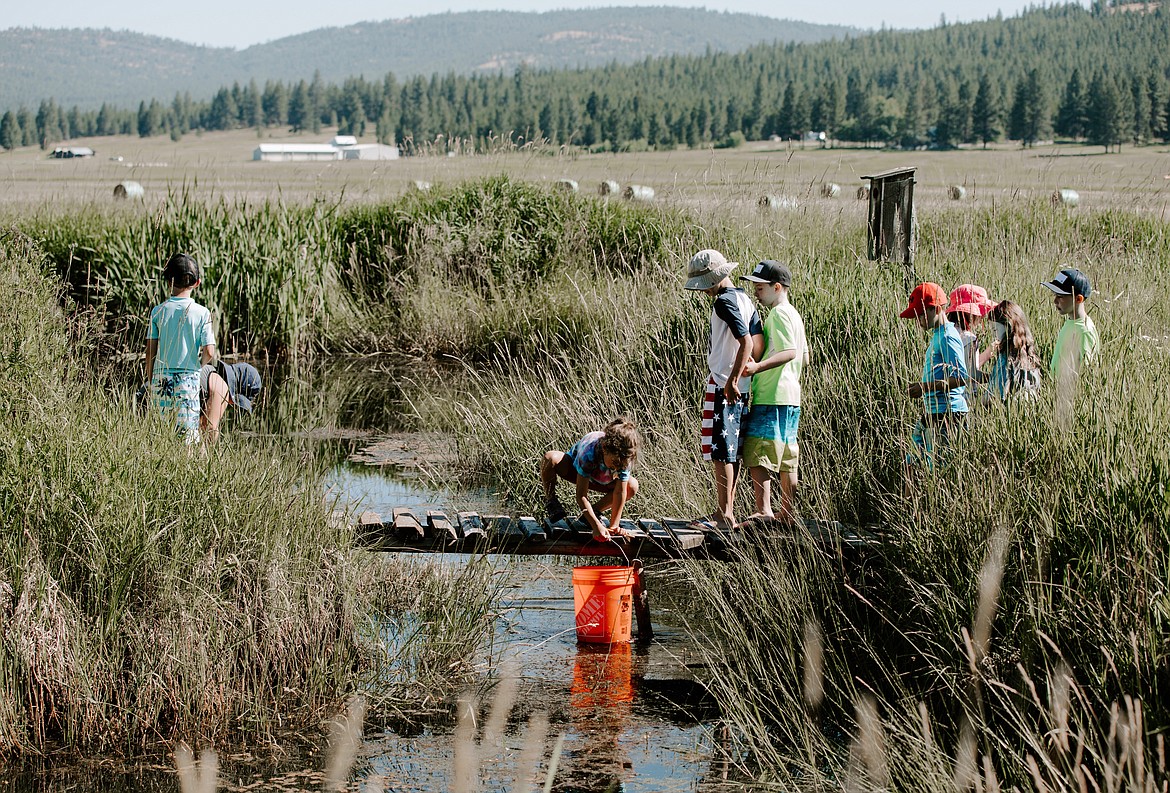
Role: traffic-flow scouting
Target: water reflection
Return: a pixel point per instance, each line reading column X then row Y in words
column 630, row 714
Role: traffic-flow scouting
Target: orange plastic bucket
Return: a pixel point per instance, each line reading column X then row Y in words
column 603, row 602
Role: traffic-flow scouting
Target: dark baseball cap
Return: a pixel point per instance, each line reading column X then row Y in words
column 769, row 271
column 182, row 267
column 1070, row 281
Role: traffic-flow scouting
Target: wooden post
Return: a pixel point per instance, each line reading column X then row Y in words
column 641, row 603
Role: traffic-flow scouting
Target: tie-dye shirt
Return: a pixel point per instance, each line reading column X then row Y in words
column 589, row 461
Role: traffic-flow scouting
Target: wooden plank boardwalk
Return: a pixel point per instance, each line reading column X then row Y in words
column 664, row 538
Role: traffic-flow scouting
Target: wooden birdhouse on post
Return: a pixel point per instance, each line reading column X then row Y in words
column 892, row 234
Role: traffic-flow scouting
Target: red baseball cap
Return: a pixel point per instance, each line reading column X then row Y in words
column 927, row 294
column 971, row 299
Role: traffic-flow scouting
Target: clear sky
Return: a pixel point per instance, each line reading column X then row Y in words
column 239, row 23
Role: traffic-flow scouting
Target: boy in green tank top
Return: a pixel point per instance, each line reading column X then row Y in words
column 1078, row 341
column 771, row 445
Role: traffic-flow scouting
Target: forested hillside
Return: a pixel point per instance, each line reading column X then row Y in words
column 89, row 67
column 1062, row 70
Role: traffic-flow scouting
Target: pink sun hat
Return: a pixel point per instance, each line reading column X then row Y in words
column 971, row 299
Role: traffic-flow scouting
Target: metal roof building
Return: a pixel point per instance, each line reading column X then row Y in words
column 340, row 149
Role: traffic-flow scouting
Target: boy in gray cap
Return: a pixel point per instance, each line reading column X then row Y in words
column 737, row 336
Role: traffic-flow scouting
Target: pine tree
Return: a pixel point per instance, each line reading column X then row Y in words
column 909, row 131
column 47, row 127
column 1029, row 115
column 298, row 107
column 986, row 112
column 223, row 113
column 785, row 126
column 1140, row 102
column 1104, row 121
column 9, row 131
column 28, row 127
column 274, row 103
column 1071, row 115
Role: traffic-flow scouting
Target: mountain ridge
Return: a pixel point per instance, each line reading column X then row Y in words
column 88, row 66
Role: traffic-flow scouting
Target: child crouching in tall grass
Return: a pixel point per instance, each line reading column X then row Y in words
column 601, row 462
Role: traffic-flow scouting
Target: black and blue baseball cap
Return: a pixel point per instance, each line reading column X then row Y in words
column 769, row 271
column 1070, row 281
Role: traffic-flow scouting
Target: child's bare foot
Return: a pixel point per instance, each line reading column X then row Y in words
column 756, row 517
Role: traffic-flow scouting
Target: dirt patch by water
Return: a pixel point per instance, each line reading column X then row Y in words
column 422, row 451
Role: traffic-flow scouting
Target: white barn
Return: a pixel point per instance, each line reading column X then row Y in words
column 296, row 152
column 370, row 151
column 342, row 147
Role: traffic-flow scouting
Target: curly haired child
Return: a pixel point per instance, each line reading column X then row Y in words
column 600, row 461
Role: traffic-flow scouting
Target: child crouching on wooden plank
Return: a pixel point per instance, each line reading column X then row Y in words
column 600, row 461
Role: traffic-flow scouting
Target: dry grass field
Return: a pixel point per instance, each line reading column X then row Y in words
column 220, row 164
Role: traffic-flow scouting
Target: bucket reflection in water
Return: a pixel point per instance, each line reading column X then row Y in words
column 603, row 603
column 603, row 677
column 600, row 702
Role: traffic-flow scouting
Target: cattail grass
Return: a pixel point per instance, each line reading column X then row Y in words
column 532, row 750
column 493, row 729
column 466, row 762
column 148, row 594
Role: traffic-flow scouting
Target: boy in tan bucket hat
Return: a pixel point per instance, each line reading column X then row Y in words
column 737, row 336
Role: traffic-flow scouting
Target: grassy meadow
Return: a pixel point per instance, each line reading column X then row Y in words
column 1012, row 630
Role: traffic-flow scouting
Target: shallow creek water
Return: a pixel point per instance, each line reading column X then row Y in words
column 629, row 718
column 632, row 717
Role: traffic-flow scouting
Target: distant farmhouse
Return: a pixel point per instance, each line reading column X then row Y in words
column 342, row 147
column 71, row 152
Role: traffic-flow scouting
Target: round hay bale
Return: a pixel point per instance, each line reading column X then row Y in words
column 420, row 185
column 830, row 190
column 777, row 202
column 957, row 192
column 638, row 192
column 124, row 190
column 567, row 185
column 609, row 187
column 863, row 193
column 1065, row 197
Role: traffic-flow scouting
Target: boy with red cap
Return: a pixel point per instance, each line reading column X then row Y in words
column 944, row 372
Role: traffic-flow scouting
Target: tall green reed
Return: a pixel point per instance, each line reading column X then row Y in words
column 149, row 591
column 1084, row 505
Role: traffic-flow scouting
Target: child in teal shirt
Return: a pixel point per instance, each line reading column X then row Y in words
column 942, row 388
column 179, row 341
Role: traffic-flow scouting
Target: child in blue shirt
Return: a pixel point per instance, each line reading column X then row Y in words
column 600, row 461
column 942, row 388
column 179, row 341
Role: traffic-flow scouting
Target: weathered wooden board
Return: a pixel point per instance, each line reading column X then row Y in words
column 471, row 527
column 647, row 538
column 442, row 527
column 406, row 526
